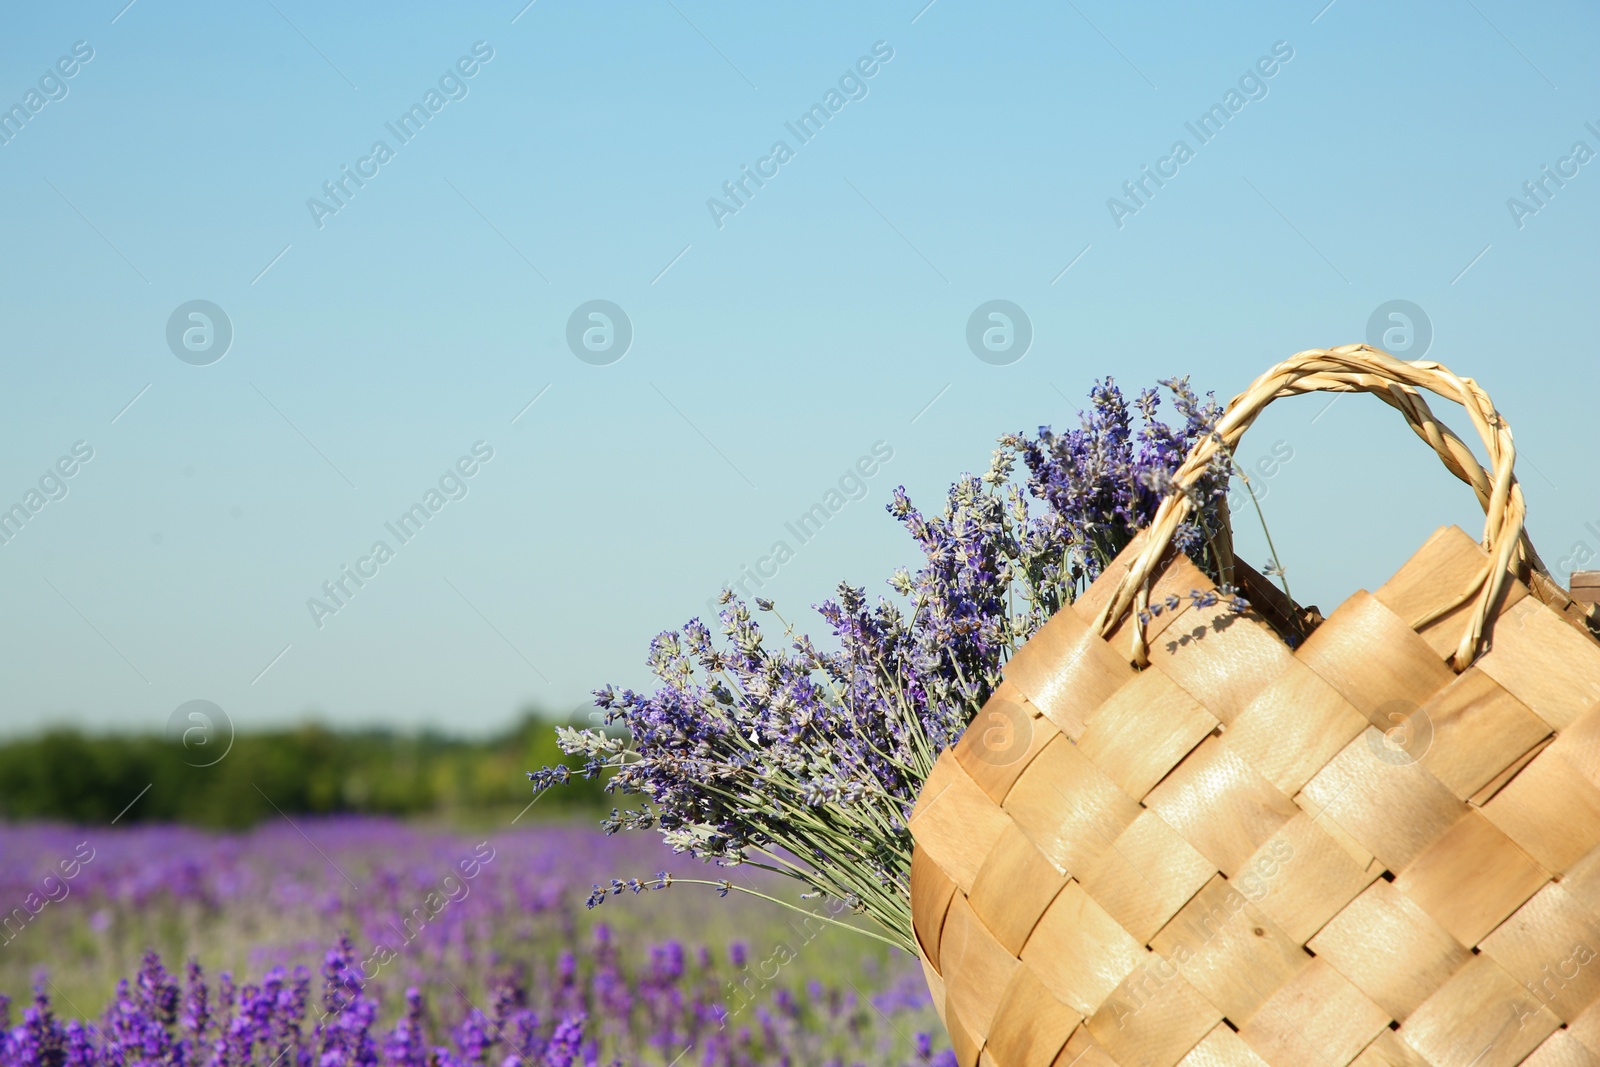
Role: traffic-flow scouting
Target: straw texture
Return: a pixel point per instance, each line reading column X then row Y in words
column 1182, row 842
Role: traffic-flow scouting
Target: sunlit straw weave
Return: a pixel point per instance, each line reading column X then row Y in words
column 1382, row 847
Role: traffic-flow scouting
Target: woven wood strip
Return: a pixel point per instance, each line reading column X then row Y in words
column 1372, row 859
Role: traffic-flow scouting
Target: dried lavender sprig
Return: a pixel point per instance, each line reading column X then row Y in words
column 808, row 762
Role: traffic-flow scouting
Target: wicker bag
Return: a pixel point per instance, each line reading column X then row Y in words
column 1173, row 839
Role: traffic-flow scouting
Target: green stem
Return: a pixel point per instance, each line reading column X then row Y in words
column 792, row 907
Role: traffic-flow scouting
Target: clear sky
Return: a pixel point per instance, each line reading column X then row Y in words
column 571, row 153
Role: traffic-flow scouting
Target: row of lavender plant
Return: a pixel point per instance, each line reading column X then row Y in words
column 440, row 925
column 594, row 1012
column 440, row 901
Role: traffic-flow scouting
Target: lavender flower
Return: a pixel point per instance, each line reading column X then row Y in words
column 407, row 1045
column 562, row 1050
column 40, row 1039
column 765, row 750
column 196, row 1014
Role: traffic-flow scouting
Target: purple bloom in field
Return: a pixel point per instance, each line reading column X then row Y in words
column 472, row 1038
column 237, row 1041
column 521, row 1035
column 566, row 996
column 196, row 1014
column 137, row 1021
column 609, row 987
column 343, row 1036
column 40, row 1040
column 80, row 1050
column 909, row 992
column 508, row 995
column 407, row 1045
column 563, row 1047
column 157, row 991
column 666, row 962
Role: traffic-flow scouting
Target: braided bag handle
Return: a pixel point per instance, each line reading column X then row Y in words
column 1362, row 369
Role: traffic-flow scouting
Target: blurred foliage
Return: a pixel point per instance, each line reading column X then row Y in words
column 70, row 776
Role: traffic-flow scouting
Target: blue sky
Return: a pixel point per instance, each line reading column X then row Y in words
column 374, row 346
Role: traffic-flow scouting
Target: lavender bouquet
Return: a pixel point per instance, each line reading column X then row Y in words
column 774, row 752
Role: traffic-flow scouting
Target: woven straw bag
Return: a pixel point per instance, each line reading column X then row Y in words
column 1173, row 839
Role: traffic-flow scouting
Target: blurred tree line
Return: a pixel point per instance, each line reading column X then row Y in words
column 309, row 770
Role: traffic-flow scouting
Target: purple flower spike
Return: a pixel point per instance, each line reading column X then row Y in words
column 562, row 1050
column 758, row 746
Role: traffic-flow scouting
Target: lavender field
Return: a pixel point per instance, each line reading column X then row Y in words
column 355, row 942
column 360, row 941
